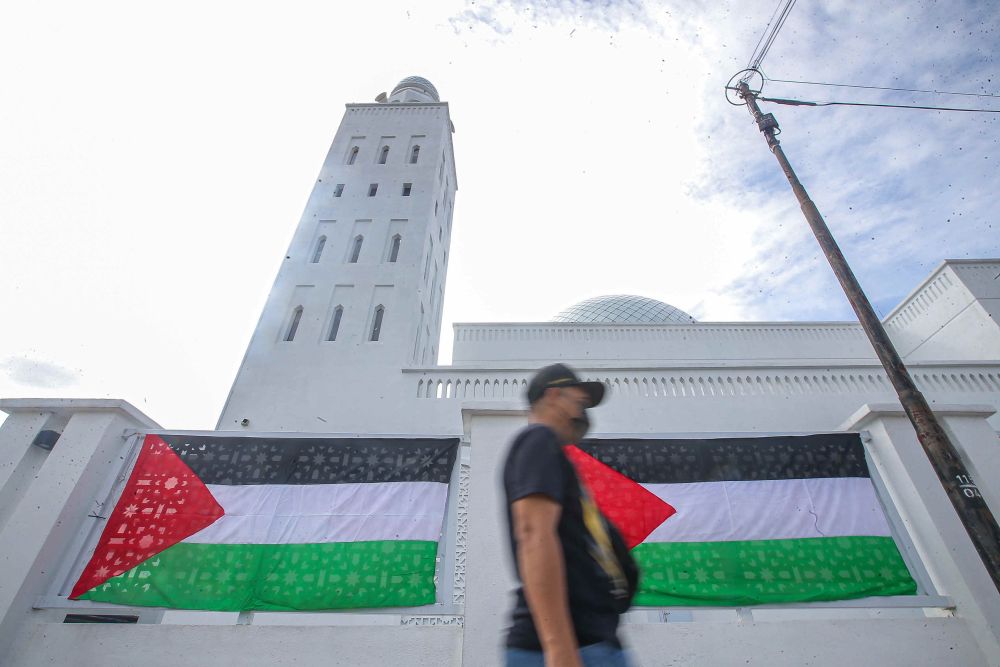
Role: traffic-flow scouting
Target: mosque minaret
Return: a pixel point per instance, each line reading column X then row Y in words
column 361, row 288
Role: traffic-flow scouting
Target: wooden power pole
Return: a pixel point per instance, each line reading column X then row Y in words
column 958, row 483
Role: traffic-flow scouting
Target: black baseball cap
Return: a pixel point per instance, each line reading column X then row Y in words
column 561, row 375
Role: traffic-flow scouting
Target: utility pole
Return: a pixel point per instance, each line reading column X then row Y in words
column 958, row 483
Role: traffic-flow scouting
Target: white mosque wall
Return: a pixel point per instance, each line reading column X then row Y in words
column 539, row 343
column 48, row 494
column 821, row 641
column 954, row 314
column 468, row 633
column 699, row 399
column 692, row 398
column 168, row 646
column 818, row 634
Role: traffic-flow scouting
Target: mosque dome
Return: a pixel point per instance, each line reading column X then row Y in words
column 418, row 84
column 624, row 309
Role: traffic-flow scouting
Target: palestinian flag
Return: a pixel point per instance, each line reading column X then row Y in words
column 243, row 523
column 744, row 521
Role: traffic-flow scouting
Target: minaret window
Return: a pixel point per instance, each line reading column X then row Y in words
column 383, row 155
column 338, row 313
column 356, row 249
column 377, row 323
column 339, row 190
column 373, row 189
column 394, row 248
column 353, row 155
column 407, row 188
column 293, row 326
column 318, row 252
column 414, row 154
column 435, row 208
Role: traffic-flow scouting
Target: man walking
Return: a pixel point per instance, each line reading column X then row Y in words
column 576, row 575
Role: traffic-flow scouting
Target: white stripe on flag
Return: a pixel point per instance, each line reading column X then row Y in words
column 312, row 513
column 770, row 510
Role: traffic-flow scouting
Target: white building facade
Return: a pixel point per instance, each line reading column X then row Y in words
column 347, row 346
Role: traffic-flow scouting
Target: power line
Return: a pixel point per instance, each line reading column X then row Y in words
column 802, row 103
column 903, row 90
column 760, row 51
column 763, row 34
column 777, row 29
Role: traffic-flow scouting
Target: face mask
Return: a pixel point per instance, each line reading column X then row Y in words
column 581, row 425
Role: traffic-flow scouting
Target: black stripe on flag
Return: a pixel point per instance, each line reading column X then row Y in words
column 250, row 460
column 733, row 459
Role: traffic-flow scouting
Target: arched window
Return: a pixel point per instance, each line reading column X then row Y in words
column 384, row 155
column 353, row 156
column 394, row 248
column 377, row 323
column 356, row 249
column 338, row 313
column 414, row 154
column 318, row 252
column 293, row 325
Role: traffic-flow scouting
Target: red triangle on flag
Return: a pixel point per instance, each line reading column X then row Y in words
column 162, row 503
column 635, row 511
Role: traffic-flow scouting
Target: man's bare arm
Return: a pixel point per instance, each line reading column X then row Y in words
column 543, row 573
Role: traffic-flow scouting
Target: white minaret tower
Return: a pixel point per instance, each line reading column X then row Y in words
column 360, row 292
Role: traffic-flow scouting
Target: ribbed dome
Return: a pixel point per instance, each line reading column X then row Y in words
column 418, row 83
column 626, row 309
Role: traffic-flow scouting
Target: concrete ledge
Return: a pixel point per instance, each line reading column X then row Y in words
column 172, row 645
column 870, row 411
column 509, row 407
column 793, row 643
column 66, row 407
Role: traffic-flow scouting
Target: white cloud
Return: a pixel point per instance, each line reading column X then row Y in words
column 37, row 373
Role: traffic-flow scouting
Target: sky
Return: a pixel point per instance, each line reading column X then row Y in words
column 155, row 161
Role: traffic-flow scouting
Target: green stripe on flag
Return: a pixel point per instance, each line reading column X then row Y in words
column 278, row 577
column 769, row 571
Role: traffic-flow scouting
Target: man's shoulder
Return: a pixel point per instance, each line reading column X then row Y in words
column 534, row 464
column 531, row 442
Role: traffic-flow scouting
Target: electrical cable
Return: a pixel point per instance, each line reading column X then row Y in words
column 903, row 90
column 763, row 33
column 769, row 42
column 801, row 103
column 781, row 24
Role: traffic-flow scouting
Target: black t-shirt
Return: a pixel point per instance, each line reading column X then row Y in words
column 536, row 464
